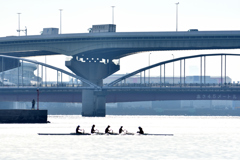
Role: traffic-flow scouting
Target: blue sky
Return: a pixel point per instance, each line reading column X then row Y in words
column 129, row 16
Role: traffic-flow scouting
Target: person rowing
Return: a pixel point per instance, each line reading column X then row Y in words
column 121, row 130
column 140, row 130
column 107, row 130
column 79, row 131
column 93, row 130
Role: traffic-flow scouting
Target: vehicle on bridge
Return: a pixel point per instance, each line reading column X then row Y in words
column 192, row 30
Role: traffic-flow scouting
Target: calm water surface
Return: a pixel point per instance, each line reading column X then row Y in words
column 198, row 138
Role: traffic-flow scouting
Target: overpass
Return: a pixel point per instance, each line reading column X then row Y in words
column 93, row 52
column 115, row 45
column 101, row 48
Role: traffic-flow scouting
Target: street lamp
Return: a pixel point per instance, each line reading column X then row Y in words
column 18, row 24
column 177, row 16
column 113, row 14
column 173, row 69
column 19, row 30
column 149, row 69
column 60, row 20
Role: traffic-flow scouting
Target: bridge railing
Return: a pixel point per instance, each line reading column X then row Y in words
column 187, row 85
column 139, row 77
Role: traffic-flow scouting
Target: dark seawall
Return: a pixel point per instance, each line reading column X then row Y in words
column 23, row 116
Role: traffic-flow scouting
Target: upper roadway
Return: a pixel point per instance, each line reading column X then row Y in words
column 114, row 45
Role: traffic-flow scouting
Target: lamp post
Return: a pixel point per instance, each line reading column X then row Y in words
column 149, row 69
column 60, row 20
column 113, row 14
column 177, row 16
column 18, row 24
column 173, row 69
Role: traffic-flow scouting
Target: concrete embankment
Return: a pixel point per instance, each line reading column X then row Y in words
column 23, row 116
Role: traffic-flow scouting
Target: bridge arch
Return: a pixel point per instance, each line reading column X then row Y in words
column 166, row 62
column 90, row 84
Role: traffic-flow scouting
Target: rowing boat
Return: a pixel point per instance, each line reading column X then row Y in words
column 64, row 134
column 82, row 134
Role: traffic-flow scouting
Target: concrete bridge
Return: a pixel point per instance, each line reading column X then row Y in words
column 116, row 45
column 93, row 52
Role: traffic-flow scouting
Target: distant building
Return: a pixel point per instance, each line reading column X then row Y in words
column 103, row 28
column 24, row 74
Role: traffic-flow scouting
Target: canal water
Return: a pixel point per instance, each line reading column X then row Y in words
column 195, row 137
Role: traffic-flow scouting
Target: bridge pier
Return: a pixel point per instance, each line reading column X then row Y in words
column 93, row 102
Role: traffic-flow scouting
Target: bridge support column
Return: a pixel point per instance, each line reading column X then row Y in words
column 93, row 102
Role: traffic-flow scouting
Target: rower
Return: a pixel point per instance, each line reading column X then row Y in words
column 93, row 130
column 140, row 130
column 121, row 130
column 107, row 130
column 78, row 130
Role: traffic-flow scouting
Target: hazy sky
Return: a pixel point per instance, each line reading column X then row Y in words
column 129, row 16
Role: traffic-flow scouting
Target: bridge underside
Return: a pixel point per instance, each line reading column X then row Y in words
column 111, row 53
column 29, row 53
column 116, row 53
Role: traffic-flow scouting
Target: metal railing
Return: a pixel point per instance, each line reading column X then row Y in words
column 182, row 67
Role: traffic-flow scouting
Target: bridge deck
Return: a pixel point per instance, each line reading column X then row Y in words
column 116, row 45
column 121, row 94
